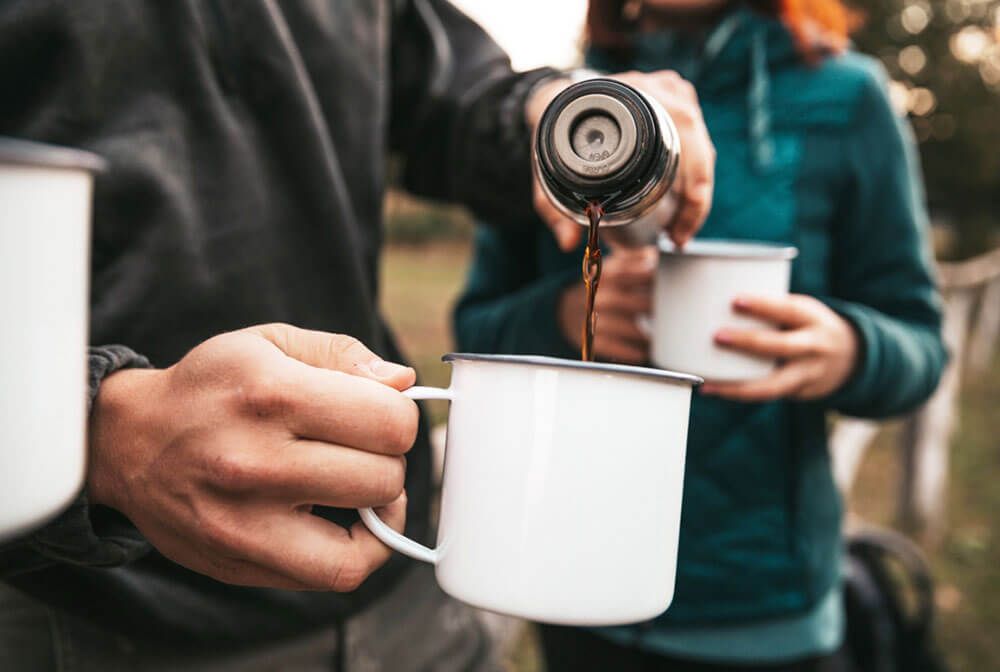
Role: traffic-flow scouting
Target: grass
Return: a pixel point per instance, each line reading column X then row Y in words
column 420, row 283
column 965, row 560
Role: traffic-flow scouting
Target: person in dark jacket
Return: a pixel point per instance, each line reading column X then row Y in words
column 811, row 154
column 246, row 143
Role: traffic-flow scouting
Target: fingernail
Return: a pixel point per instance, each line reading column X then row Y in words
column 740, row 303
column 383, row 369
column 706, row 389
column 724, row 337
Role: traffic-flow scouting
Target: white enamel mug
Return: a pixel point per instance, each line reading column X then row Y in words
column 45, row 195
column 693, row 299
column 561, row 499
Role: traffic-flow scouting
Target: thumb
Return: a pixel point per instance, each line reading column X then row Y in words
column 336, row 352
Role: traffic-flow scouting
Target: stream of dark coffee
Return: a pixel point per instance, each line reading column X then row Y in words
column 591, row 278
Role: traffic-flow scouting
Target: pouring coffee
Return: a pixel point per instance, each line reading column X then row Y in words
column 607, row 156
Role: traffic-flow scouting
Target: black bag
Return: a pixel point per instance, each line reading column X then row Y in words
column 889, row 603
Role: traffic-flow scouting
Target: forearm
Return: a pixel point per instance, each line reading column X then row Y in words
column 476, row 150
column 458, row 112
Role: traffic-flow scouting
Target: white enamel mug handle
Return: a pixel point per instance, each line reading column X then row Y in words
column 386, row 534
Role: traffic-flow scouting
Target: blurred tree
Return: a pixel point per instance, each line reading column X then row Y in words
column 944, row 58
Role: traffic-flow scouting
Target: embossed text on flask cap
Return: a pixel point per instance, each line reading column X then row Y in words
column 594, row 135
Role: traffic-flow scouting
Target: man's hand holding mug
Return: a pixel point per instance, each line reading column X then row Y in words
column 219, row 459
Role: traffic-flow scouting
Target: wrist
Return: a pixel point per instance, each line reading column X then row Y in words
column 541, row 95
column 118, row 414
column 852, row 356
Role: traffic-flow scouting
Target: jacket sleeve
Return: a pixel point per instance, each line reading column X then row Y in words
column 457, row 113
column 507, row 306
column 882, row 268
column 82, row 534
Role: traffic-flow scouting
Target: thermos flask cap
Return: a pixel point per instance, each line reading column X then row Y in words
column 595, row 139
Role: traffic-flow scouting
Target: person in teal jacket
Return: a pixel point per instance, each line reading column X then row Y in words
column 810, row 153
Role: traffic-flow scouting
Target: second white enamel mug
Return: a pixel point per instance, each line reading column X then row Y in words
column 561, row 498
column 693, row 299
column 45, row 201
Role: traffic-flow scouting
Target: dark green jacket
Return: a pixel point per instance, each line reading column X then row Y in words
column 813, row 156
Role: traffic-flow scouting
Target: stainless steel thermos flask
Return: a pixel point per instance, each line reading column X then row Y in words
column 603, row 141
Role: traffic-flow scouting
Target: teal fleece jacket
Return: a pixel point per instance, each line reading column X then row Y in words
column 808, row 155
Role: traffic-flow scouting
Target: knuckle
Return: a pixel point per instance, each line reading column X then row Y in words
column 264, row 396
column 222, row 535
column 342, row 347
column 684, row 114
column 349, row 573
column 234, row 471
column 692, row 94
column 390, row 479
column 802, row 302
column 697, row 198
column 397, row 427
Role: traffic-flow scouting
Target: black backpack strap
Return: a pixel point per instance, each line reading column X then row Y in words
column 900, row 573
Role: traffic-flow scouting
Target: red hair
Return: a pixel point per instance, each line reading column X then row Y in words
column 819, row 27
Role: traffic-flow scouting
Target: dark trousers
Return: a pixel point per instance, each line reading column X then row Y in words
column 414, row 628
column 577, row 650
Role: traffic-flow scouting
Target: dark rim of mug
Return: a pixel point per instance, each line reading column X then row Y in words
column 723, row 248
column 27, row 153
column 538, row 360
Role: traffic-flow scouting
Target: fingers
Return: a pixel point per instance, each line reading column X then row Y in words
column 613, row 349
column 315, row 552
column 633, row 269
column 222, row 568
column 312, row 472
column 336, row 352
column 697, row 180
column 616, row 300
column 334, row 407
column 769, row 343
column 697, row 166
column 621, row 327
column 618, row 338
column 793, row 310
column 567, row 232
column 784, row 382
column 696, row 173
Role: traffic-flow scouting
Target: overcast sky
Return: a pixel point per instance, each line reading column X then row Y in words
column 534, row 32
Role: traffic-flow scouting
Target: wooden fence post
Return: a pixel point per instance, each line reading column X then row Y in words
column 926, row 435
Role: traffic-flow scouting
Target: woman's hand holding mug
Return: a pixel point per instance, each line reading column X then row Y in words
column 624, row 299
column 818, row 349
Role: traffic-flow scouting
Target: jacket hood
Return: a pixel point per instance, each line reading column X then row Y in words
column 737, row 54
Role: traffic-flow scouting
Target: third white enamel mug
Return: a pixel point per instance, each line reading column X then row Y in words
column 561, row 499
column 693, row 299
column 45, row 195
